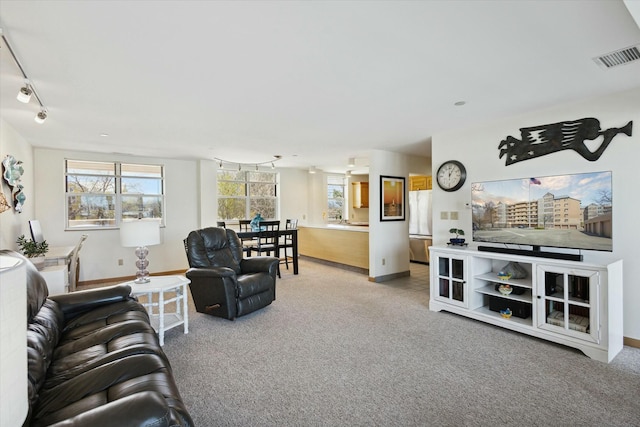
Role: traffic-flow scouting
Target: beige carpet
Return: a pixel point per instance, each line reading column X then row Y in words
column 335, row 349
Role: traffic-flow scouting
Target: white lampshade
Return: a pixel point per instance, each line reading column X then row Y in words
column 14, row 400
column 140, row 232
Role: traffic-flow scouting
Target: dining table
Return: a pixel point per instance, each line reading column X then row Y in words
column 293, row 232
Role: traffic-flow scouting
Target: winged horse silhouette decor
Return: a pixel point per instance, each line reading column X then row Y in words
column 570, row 135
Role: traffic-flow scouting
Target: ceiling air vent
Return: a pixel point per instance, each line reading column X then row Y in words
column 619, row 57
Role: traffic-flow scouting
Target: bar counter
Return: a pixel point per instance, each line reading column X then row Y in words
column 340, row 243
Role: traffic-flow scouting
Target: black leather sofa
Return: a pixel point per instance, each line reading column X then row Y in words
column 95, row 360
column 223, row 283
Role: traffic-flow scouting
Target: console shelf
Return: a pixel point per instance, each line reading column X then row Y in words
column 589, row 294
column 490, row 290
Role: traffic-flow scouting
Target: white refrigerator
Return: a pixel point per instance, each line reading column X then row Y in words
column 420, row 212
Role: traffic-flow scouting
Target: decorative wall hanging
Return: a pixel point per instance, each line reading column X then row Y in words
column 546, row 139
column 12, row 173
column 392, row 198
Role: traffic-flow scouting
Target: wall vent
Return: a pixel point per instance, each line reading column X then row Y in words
column 619, row 57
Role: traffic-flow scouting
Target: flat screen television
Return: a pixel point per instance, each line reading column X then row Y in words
column 562, row 211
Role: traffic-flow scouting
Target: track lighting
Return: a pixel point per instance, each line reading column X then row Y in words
column 24, row 95
column 41, row 117
column 246, row 166
column 352, row 162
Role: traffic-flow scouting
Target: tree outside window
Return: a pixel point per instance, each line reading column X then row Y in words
column 335, row 198
column 243, row 194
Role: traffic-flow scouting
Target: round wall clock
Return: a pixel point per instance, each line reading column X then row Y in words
column 451, row 175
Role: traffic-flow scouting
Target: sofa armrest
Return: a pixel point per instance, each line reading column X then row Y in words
column 210, row 272
column 259, row 264
column 148, row 408
column 75, row 303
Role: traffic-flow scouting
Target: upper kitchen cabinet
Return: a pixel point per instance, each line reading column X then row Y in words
column 419, row 182
column 360, row 194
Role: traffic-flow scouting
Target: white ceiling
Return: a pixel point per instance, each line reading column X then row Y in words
column 316, row 81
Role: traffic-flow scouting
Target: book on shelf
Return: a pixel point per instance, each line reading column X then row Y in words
column 576, row 322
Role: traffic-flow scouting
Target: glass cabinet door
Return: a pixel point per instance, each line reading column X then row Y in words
column 451, row 280
column 568, row 294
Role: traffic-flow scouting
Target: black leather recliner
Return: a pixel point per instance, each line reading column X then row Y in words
column 223, row 283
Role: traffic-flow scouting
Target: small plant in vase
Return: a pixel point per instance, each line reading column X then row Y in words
column 457, row 240
column 33, row 250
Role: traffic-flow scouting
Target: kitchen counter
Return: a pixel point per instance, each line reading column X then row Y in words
column 351, row 227
column 339, row 243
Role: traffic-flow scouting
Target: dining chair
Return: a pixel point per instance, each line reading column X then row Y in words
column 268, row 239
column 286, row 242
column 222, row 224
column 247, row 243
column 74, row 265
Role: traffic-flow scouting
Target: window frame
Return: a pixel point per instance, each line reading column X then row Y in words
column 117, row 193
column 247, row 197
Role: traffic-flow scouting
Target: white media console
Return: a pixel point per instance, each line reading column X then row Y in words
column 588, row 293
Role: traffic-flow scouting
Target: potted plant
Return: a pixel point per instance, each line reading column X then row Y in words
column 457, row 240
column 33, row 250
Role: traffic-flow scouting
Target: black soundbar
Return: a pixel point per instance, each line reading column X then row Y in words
column 528, row 252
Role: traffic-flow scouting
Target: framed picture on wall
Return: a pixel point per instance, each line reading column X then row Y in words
column 392, row 198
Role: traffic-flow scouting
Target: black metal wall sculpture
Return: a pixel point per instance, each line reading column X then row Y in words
column 546, row 139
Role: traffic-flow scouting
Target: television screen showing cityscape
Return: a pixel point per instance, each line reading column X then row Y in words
column 563, row 211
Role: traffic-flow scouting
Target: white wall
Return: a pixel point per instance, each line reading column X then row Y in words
column 388, row 240
column 101, row 251
column 294, row 195
column 12, row 223
column 207, row 189
column 317, row 198
column 477, row 149
column 419, row 165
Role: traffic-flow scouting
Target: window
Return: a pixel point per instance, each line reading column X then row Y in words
column 335, row 198
column 101, row 194
column 243, row 194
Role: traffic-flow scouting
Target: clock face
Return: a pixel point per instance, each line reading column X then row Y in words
column 451, row 175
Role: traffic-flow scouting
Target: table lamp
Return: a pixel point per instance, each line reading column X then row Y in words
column 139, row 234
column 14, row 399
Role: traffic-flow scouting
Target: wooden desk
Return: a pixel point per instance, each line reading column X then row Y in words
column 294, row 239
column 57, row 255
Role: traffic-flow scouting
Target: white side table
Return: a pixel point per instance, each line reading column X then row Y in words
column 57, row 278
column 160, row 320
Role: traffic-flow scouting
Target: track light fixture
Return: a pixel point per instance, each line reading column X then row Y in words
column 222, row 164
column 352, row 162
column 24, row 95
column 41, row 117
